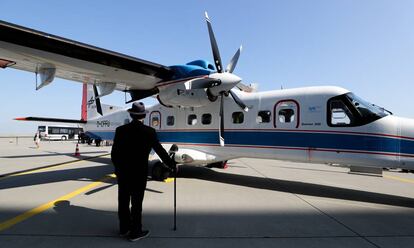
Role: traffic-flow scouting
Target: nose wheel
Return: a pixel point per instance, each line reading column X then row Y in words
column 159, row 172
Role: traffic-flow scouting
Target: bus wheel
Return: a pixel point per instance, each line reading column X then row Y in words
column 63, row 138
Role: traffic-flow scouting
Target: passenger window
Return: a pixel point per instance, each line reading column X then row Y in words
column 206, row 119
column 192, row 120
column 170, row 120
column 263, row 116
column 155, row 121
column 238, row 117
column 286, row 115
column 340, row 114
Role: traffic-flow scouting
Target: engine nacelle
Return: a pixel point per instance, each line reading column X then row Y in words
column 179, row 96
column 193, row 157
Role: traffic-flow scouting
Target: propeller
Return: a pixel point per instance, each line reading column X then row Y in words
column 214, row 47
column 239, row 101
column 97, row 100
column 233, row 62
column 227, row 78
column 221, row 128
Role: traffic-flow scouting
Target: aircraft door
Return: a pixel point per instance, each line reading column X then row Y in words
column 155, row 120
column 286, row 114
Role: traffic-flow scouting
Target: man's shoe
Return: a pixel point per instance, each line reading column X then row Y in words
column 134, row 236
column 123, row 233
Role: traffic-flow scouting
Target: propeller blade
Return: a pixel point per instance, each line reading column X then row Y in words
column 221, row 128
column 97, row 100
column 233, row 62
column 238, row 101
column 214, row 47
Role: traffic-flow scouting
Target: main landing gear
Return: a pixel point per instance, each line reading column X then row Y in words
column 159, row 171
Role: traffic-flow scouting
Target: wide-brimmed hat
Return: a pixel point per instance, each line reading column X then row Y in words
column 138, row 108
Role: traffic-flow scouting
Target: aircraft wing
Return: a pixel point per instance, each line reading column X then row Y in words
column 30, row 50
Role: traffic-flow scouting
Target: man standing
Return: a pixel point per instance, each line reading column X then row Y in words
column 130, row 152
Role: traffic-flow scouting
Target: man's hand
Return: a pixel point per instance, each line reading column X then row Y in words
column 171, row 167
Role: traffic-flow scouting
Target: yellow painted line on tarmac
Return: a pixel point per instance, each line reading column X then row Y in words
column 13, row 221
column 405, row 180
column 169, row 180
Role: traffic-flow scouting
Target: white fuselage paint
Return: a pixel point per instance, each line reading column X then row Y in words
column 386, row 142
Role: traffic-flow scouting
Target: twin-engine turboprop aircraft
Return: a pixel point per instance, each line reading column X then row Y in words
column 207, row 111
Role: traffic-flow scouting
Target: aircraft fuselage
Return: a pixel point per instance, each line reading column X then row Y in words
column 314, row 124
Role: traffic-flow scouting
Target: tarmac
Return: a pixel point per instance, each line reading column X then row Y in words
column 50, row 198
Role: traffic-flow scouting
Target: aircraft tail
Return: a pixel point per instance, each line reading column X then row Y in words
column 91, row 106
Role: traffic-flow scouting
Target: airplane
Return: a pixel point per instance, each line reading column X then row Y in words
column 207, row 111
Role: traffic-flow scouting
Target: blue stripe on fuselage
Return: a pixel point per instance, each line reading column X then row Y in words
column 287, row 139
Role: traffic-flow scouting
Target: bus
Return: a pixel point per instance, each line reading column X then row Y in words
column 56, row 132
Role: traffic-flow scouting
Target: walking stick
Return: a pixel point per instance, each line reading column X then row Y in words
column 175, row 198
column 173, row 150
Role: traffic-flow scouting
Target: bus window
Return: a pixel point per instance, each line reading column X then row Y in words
column 41, row 129
column 59, row 132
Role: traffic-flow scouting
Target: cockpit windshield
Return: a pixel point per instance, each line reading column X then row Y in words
column 350, row 110
column 366, row 109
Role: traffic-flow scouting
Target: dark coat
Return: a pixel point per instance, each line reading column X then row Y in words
column 132, row 145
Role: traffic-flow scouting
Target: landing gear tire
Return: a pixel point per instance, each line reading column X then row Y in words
column 159, row 172
column 220, row 165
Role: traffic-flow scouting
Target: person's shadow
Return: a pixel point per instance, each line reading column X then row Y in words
column 82, row 221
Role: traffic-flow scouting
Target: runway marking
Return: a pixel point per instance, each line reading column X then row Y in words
column 405, row 180
column 13, row 221
column 169, row 180
column 47, row 167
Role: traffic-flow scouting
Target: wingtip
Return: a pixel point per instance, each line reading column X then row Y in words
column 241, row 48
column 206, row 15
column 20, row 119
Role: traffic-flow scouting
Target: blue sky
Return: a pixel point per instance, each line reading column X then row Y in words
column 364, row 46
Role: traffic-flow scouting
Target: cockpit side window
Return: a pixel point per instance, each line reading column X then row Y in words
column 340, row 114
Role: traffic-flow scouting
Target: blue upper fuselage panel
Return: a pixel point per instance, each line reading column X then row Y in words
column 193, row 69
